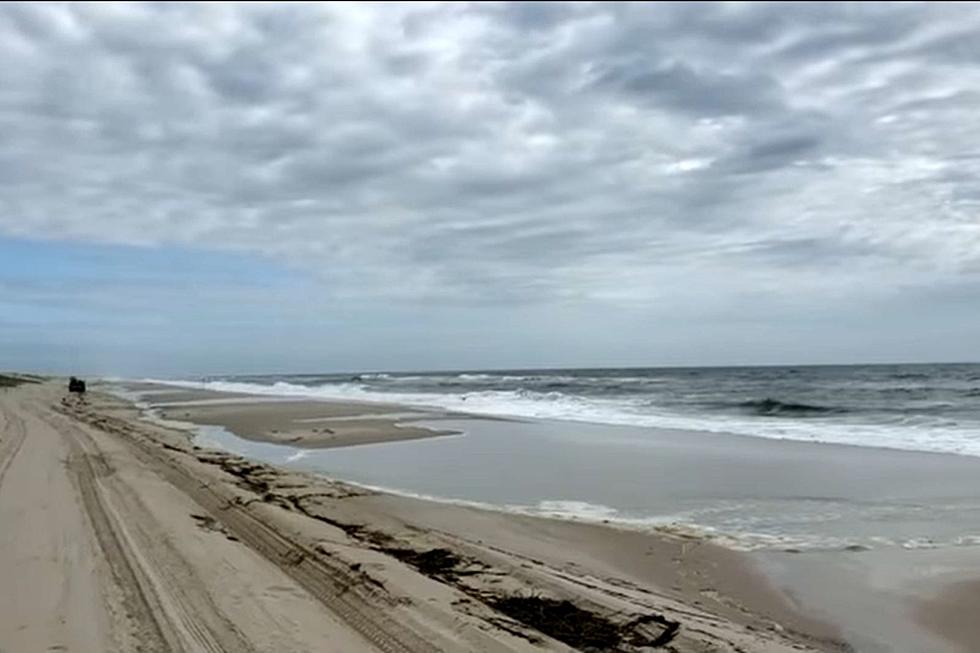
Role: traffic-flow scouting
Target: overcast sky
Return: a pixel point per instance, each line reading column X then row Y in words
column 189, row 189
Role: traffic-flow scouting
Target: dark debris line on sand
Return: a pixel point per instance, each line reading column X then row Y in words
column 559, row 619
column 556, row 618
column 439, row 563
column 584, row 630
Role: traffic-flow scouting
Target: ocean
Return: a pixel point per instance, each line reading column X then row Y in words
column 923, row 407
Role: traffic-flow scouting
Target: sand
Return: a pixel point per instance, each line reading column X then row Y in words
column 297, row 422
column 313, row 424
column 952, row 613
column 120, row 535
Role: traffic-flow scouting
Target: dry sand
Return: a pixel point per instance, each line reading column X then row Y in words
column 120, row 535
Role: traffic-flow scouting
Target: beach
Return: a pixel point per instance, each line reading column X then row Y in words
column 188, row 548
column 878, row 542
column 502, row 327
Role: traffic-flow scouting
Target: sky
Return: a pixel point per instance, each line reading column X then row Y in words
column 191, row 189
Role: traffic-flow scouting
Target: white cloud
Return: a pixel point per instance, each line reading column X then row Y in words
column 505, row 153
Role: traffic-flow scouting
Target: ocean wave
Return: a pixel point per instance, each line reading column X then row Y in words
column 910, row 375
column 484, row 379
column 299, row 455
column 769, row 406
column 690, row 527
column 910, row 432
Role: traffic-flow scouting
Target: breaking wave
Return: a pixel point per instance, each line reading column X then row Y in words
column 864, row 406
column 769, row 406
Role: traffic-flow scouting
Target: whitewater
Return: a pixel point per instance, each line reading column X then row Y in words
column 931, row 408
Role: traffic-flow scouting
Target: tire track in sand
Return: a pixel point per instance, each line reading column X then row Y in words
column 13, row 435
column 141, row 607
column 169, row 610
column 332, row 585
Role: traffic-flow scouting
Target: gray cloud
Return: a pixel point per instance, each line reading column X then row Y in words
column 505, row 153
column 678, row 87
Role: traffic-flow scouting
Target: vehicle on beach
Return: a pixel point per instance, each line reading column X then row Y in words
column 76, row 386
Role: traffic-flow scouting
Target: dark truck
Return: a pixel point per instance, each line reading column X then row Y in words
column 76, row 385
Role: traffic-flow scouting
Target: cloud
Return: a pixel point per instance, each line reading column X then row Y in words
column 512, row 153
column 678, row 87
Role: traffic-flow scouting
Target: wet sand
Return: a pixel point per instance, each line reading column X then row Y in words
column 183, row 548
column 298, row 422
column 886, row 600
column 312, row 424
column 952, row 613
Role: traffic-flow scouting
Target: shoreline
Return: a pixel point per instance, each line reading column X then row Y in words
column 771, row 427
column 685, row 578
column 166, row 415
column 234, row 418
column 893, row 465
column 196, row 389
column 241, row 420
column 882, row 612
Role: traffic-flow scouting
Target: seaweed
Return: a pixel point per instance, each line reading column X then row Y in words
column 437, row 563
column 582, row 629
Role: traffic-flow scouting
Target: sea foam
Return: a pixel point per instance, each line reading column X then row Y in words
column 915, row 433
